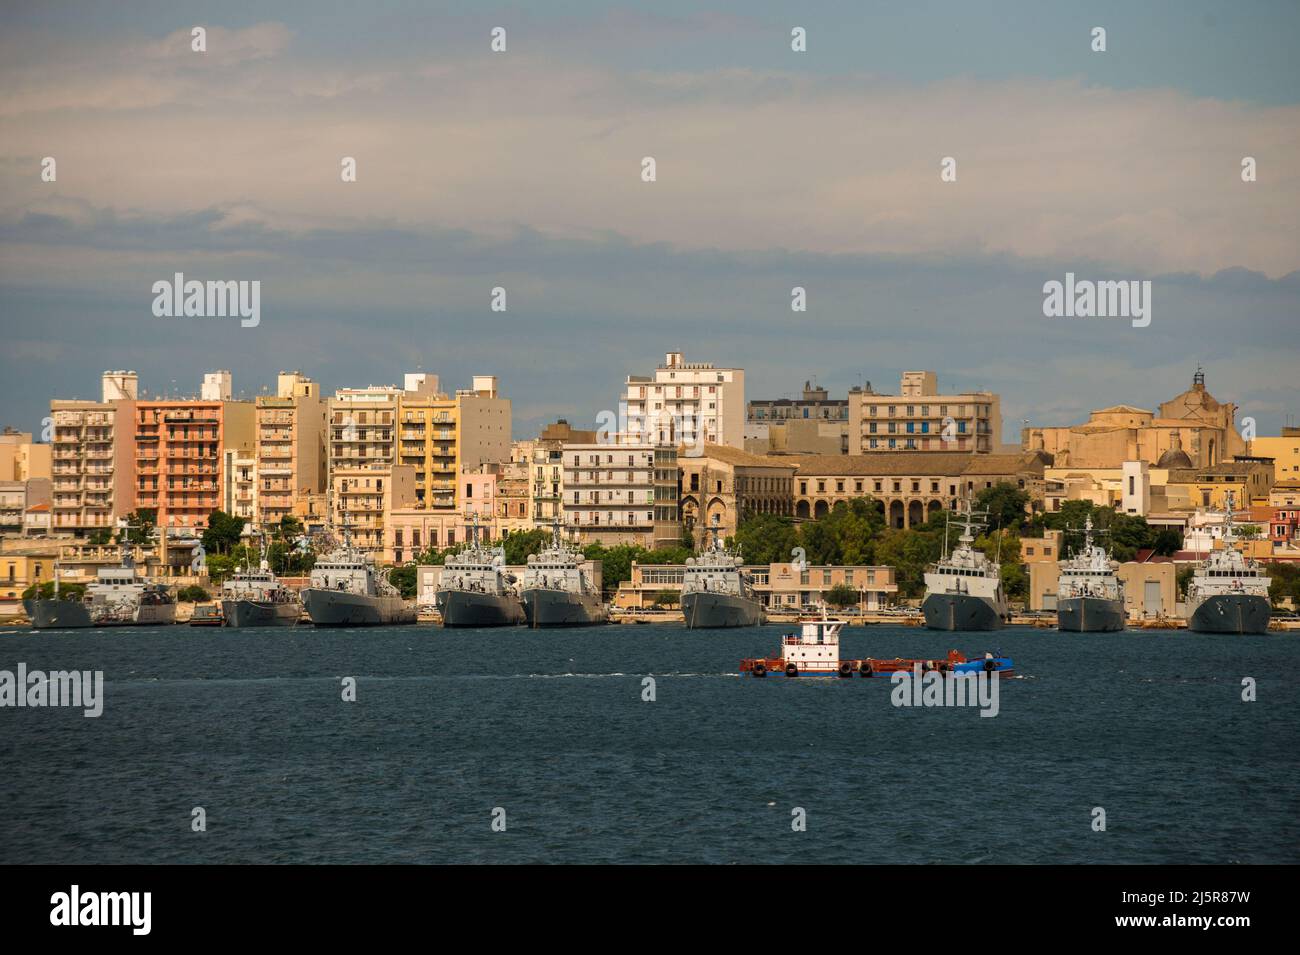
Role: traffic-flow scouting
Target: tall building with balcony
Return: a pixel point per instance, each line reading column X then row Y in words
column 686, row 403
column 290, row 454
column 362, row 437
column 179, row 452
column 920, row 418
column 624, row 492
column 442, row 435
column 92, row 465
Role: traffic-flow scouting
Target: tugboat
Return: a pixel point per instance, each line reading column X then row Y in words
column 815, row 651
column 256, row 598
column 716, row 592
column 1229, row 591
column 119, row 597
column 347, row 590
column 964, row 589
column 476, row 591
column 1090, row 597
column 556, row 592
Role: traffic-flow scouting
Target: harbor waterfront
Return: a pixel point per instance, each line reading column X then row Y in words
column 551, row 726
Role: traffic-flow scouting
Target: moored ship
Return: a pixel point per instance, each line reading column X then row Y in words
column 1090, row 596
column 556, row 591
column 476, row 591
column 347, row 590
column 964, row 589
column 716, row 591
column 1228, row 593
column 119, row 597
column 256, row 598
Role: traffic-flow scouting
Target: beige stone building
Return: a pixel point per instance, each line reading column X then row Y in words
column 21, row 458
column 1284, row 449
column 1190, row 430
column 361, row 497
column 920, row 418
column 546, row 478
column 290, row 452
column 909, row 486
column 814, row 423
column 722, row 484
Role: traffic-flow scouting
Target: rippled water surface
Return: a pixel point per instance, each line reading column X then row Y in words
column 551, row 727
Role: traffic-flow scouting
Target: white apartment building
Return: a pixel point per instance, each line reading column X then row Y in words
column 686, row 403
column 623, row 492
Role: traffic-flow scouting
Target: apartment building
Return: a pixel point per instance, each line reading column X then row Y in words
column 239, row 484
column 362, row 497
column 290, row 453
column 920, row 418
column 93, row 458
column 686, row 403
column 623, row 492
column 440, row 435
column 25, row 507
column 813, row 423
column 179, row 455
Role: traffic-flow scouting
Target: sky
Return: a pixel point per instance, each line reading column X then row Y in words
column 774, row 169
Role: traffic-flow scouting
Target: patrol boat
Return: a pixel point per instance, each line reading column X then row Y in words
column 716, row 592
column 347, row 590
column 964, row 589
column 119, row 597
column 556, row 591
column 476, row 591
column 1228, row 593
column 1089, row 596
column 256, row 598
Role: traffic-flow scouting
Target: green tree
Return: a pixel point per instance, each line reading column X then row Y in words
column 223, row 533
column 766, row 538
column 1182, row 578
column 841, row 595
column 668, row 598
column 1005, row 503
column 140, row 526
column 403, row 577
column 521, row 545
column 193, row 594
column 909, row 552
column 1167, row 542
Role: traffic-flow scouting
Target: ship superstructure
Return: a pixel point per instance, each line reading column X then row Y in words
column 556, row 589
column 476, row 590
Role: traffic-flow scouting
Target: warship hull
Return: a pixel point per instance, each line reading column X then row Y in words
column 469, row 608
column 338, row 608
column 561, row 608
column 1231, row 613
column 1090, row 615
column 254, row 613
column 70, row 614
column 960, row 612
column 708, row 611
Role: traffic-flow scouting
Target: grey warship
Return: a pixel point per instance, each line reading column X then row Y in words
column 556, row 591
column 256, row 598
column 476, row 591
column 119, row 597
column 964, row 589
column 716, row 591
column 1228, row 593
column 347, row 590
column 1090, row 597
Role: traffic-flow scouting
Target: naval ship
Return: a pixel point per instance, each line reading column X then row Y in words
column 963, row 591
column 1090, row 597
column 347, row 590
column 476, row 591
column 1228, row 593
column 556, row 591
column 256, row 598
column 716, row 592
column 119, row 597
